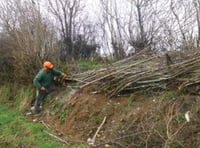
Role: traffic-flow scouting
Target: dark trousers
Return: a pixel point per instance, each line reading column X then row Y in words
column 40, row 97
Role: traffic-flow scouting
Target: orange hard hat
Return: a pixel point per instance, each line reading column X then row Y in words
column 47, row 65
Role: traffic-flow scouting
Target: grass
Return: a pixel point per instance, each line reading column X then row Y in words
column 169, row 95
column 4, row 94
column 16, row 131
column 132, row 99
column 88, row 65
column 96, row 117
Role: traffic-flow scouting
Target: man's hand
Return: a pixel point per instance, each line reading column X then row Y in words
column 63, row 75
column 43, row 88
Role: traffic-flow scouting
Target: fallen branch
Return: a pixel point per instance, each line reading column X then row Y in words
column 92, row 141
column 119, row 138
column 56, row 137
column 59, row 139
column 45, row 124
column 137, row 75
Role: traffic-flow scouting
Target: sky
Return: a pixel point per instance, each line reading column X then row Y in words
column 92, row 8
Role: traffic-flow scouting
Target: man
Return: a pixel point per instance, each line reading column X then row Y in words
column 43, row 81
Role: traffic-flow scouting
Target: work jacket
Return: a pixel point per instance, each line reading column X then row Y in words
column 44, row 78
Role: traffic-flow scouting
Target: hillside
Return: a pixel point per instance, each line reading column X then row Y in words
column 135, row 121
column 151, row 116
column 145, row 118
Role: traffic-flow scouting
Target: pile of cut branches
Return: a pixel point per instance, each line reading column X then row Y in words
column 155, row 73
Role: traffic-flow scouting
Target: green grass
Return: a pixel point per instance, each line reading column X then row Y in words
column 96, row 117
column 132, row 99
column 88, row 65
column 169, row 95
column 4, row 94
column 16, row 131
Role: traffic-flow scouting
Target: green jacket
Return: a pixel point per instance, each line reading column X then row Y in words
column 45, row 78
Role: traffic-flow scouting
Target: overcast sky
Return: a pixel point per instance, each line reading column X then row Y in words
column 92, row 6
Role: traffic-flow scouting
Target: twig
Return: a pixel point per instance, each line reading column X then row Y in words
column 59, row 139
column 45, row 124
column 126, row 136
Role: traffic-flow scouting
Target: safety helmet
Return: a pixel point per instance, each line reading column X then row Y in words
column 47, row 65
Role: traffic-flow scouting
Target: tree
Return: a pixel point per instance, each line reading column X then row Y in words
column 67, row 13
column 184, row 24
column 27, row 34
column 143, row 23
column 197, row 9
column 111, row 22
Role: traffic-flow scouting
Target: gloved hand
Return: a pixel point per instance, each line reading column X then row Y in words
column 63, row 75
column 43, row 88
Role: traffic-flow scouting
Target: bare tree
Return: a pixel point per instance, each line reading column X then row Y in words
column 27, row 33
column 197, row 8
column 112, row 23
column 184, row 24
column 139, row 30
column 143, row 24
column 67, row 13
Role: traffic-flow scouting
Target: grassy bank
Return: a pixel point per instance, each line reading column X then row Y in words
column 16, row 131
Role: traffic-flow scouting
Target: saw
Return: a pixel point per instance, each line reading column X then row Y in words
column 70, row 80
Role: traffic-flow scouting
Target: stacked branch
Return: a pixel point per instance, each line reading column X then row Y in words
column 153, row 74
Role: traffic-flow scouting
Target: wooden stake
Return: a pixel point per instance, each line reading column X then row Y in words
column 92, row 141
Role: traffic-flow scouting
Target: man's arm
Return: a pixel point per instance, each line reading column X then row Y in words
column 36, row 80
column 56, row 72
